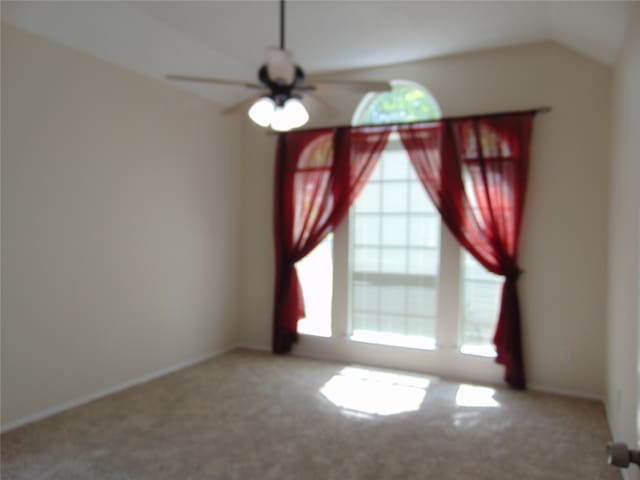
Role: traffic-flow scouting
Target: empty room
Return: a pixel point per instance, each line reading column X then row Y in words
column 320, row 240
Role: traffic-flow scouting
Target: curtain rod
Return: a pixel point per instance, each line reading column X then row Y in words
column 533, row 111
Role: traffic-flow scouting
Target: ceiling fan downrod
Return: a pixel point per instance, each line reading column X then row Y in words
column 281, row 24
column 280, row 75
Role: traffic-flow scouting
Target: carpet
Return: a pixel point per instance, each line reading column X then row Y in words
column 251, row 415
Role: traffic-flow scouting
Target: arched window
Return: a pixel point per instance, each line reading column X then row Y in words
column 397, row 249
column 404, row 272
column 405, row 102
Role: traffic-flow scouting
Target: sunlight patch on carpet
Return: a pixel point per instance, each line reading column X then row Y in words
column 472, row 396
column 375, row 392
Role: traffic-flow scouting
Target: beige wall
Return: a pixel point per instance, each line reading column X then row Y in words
column 119, row 226
column 123, row 219
column 564, row 242
column 624, row 243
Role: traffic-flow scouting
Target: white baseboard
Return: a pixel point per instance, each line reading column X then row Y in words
column 565, row 392
column 108, row 391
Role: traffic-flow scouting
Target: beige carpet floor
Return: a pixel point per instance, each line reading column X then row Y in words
column 249, row 415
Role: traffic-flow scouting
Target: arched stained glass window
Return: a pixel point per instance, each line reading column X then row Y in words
column 405, row 102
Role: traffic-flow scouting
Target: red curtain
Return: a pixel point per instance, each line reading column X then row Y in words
column 475, row 171
column 318, row 175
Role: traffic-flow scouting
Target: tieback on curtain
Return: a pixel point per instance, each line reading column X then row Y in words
column 513, row 273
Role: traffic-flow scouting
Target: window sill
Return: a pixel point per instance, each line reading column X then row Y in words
column 418, row 343
column 484, row 351
column 317, row 333
column 402, row 341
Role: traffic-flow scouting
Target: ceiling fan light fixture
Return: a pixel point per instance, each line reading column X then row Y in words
column 262, row 111
column 281, row 83
column 291, row 115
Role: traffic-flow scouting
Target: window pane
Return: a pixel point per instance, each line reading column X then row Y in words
column 394, row 166
column 394, row 230
column 421, row 301
column 481, row 291
column 405, row 102
column 420, row 200
column 365, row 321
column 365, row 296
column 392, row 323
column 366, row 259
column 393, row 289
column 315, row 272
column 394, row 197
column 369, row 198
column 367, row 228
column 424, row 261
column 424, row 231
column 413, row 175
column 394, row 260
column 473, row 269
column 392, row 299
column 376, row 173
column 420, row 326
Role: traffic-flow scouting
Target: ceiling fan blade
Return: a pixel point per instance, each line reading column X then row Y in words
column 305, row 88
column 244, row 104
column 217, row 81
column 318, row 105
column 354, row 85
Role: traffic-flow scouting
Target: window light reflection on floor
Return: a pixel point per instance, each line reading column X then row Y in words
column 375, row 392
column 472, row 396
column 466, row 419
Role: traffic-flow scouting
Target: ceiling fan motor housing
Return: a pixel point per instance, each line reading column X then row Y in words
column 280, row 89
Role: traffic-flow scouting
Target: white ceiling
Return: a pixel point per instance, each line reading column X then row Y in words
column 227, row 38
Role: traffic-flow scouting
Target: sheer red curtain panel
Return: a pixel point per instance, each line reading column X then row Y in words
column 475, row 171
column 318, row 175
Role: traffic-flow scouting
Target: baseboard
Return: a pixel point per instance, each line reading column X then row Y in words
column 165, row 371
column 532, row 387
column 259, row 348
column 108, row 391
column 565, row 392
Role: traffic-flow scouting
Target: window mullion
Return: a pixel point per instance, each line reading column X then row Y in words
column 448, row 312
column 407, row 260
column 340, row 305
column 380, row 240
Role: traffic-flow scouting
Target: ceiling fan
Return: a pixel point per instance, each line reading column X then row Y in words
column 282, row 87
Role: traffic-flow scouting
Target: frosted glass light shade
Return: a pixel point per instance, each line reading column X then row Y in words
column 296, row 112
column 262, row 111
column 291, row 115
column 280, row 121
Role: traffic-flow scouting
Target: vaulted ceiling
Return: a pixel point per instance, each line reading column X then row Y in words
column 227, row 38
